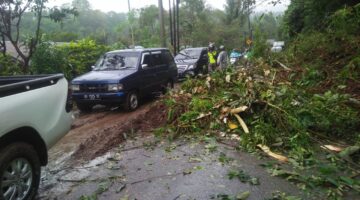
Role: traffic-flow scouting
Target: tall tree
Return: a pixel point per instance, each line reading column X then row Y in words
column 236, row 9
column 268, row 23
column 193, row 19
column 59, row 15
column 81, row 5
column 11, row 13
column 147, row 31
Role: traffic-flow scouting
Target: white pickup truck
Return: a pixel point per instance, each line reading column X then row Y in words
column 35, row 112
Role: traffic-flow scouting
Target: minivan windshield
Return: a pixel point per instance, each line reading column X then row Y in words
column 188, row 54
column 117, row 61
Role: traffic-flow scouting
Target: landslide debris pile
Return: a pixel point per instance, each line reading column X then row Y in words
column 262, row 104
column 266, row 107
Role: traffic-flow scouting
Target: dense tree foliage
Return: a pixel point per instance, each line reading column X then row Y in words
column 23, row 39
column 307, row 15
column 199, row 25
column 72, row 58
column 228, row 27
column 11, row 15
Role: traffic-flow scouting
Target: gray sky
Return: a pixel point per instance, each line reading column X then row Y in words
column 121, row 5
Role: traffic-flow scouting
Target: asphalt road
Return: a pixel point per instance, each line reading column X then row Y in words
column 138, row 166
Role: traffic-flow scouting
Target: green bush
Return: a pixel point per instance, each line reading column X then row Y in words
column 346, row 21
column 332, row 116
column 48, row 59
column 71, row 59
column 9, row 66
column 82, row 55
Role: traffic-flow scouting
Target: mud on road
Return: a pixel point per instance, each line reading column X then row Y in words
column 111, row 154
column 94, row 134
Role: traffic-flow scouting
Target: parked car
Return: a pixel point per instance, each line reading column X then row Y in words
column 235, row 56
column 35, row 114
column 191, row 61
column 276, row 49
column 123, row 77
column 278, row 46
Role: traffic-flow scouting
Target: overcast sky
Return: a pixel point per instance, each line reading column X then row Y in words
column 121, row 5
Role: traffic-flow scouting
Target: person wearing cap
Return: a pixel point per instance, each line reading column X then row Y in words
column 212, row 56
column 222, row 60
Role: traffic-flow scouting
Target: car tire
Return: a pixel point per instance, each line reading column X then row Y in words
column 132, row 101
column 19, row 166
column 84, row 107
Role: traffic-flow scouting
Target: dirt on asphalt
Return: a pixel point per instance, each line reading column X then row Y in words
column 115, row 128
column 94, row 134
column 111, row 154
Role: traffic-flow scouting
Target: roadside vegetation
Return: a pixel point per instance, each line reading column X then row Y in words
column 302, row 104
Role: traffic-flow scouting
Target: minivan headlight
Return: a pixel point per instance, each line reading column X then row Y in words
column 75, row 87
column 115, row 87
column 190, row 67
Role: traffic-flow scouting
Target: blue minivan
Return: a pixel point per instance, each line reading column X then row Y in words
column 122, row 77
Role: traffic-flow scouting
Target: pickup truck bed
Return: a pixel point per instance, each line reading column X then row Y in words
column 10, row 85
column 34, row 115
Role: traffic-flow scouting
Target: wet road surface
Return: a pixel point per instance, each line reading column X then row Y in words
column 147, row 170
column 102, row 158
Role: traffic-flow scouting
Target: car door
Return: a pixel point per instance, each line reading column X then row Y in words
column 161, row 69
column 203, row 58
column 172, row 71
column 148, row 74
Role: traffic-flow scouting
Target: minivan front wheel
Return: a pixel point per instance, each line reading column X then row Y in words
column 19, row 172
column 132, row 101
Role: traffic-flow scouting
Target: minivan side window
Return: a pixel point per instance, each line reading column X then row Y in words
column 157, row 58
column 168, row 58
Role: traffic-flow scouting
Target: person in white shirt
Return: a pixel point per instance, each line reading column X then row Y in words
column 222, row 60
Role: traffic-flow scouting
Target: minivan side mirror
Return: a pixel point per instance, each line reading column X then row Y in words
column 144, row 66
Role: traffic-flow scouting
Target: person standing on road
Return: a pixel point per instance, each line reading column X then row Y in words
column 212, row 56
column 222, row 59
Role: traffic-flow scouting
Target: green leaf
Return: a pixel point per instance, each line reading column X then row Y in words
column 254, row 181
column 327, row 169
column 349, row 151
column 347, row 180
column 333, row 181
column 243, row 195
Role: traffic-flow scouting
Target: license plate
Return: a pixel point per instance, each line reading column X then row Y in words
column 92, row 96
